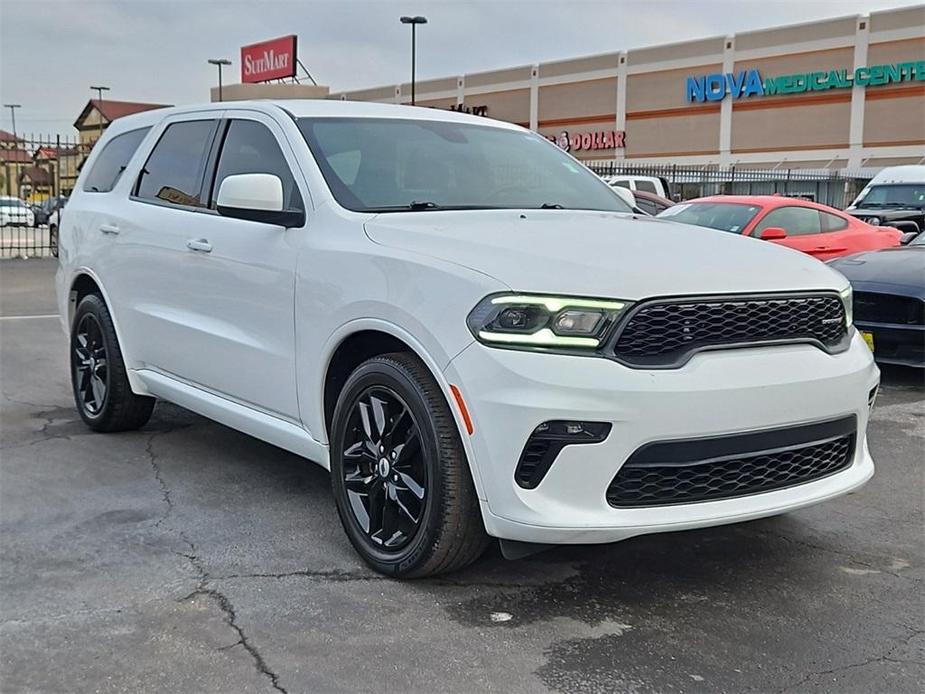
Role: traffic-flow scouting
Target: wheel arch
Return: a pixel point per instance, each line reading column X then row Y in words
column 361, row 340
column 84, row 281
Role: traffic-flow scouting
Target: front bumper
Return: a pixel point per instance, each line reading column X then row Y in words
column 509, row 393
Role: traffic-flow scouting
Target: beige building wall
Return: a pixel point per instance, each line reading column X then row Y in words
column 643, row 91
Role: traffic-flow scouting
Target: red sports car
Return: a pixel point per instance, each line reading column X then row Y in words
column 821, row 231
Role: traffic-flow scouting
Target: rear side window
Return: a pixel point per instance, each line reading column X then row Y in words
column 174, row 171
column 647, row 186
column 796, row 221
column 250, row 147
column 116, row 154
column 832, row 222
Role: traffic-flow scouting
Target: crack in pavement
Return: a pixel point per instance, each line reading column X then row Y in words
column 882, row 658
column 202, row 574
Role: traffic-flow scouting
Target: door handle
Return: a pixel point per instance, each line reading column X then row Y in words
column 199, row 245
column 109, row 228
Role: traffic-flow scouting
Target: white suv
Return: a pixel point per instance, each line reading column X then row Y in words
column 461, row 322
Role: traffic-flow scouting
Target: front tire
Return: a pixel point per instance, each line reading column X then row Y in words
column 102, row 392
column 399, row 472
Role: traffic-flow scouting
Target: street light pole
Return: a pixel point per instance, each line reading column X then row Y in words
column 413, row 21
column 13, row 108
column 220, row 62
column 99, row 92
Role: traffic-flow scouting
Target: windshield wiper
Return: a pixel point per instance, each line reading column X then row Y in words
column 422, row 205
column 551, row 206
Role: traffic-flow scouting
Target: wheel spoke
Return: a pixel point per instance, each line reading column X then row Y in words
column 397, row 423
column 414, row 517
column 364, row 418
column 359, row 510
column 411, row 485
column 379, row 414
column 358, row 482
column 408, row 450
column 99, row 391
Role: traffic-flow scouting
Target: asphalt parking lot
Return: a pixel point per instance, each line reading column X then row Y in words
column 188, row 557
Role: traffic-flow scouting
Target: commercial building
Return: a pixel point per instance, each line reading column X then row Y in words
column 840, row 94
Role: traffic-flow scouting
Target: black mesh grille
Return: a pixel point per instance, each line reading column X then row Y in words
column 665, row 333
column 658, row 485
column 887, row 308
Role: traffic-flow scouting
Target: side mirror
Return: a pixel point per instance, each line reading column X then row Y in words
column 256, row 197
column 625, row 194
column 773, row 234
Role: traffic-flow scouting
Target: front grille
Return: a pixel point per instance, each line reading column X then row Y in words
column 673, row 473
column 872, row 307
column 666, row 332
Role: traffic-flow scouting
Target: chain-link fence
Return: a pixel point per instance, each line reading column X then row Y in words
column 827, row 186
column 37, row 174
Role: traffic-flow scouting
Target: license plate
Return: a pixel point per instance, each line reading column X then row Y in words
column 868, row 338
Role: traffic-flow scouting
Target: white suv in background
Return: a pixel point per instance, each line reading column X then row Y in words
column 461, row 322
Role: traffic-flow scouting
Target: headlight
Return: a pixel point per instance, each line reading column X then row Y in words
column 539, row 321
column 847, row 298
column 874, row 221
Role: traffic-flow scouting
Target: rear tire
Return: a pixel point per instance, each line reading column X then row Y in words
column 399, row 472
column 102, row 392
column 53, row 240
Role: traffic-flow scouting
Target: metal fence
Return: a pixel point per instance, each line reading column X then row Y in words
column 827, row 186
column 37, row 169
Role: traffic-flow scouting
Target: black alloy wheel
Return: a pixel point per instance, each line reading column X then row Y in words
column 102, row 392
column 90, row 363
column 399, row 471
column 384, row 470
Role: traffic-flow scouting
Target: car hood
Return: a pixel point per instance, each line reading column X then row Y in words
column 897, row 267
column 601, row 253
column 887, row 214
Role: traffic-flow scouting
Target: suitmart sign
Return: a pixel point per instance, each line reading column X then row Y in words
column 748, row 83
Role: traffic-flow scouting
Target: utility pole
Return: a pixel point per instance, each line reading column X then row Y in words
column 220, row 62
column 13, row 108
column 413, row 21
column 99, row 91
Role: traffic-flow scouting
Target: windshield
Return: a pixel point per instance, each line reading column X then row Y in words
column 725, row 216
column 394, row 165
column 895, row 195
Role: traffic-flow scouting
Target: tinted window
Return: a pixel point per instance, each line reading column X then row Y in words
column 647, row 186
column 250, row 147
column 724, row 216
column 647, row 206
column 622, row 184
column 796, row 221
column 895, row 195
column 832, row 222
column 112, row 161
column 173, row 172
column 386, row 164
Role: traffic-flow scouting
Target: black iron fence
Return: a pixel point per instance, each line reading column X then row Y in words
column 37, row 172
column 827, row 186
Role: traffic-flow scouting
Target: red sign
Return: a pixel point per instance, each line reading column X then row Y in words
column 269, row 60
column 599, row 139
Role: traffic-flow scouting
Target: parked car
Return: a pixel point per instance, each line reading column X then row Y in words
column 895, row 197
column 641, row 202
column 15, row 212
column 646, row 184
column 374, row 288
column 821, row 231
column 651, row 203
column 54, row 224
column 44, row 209
column 889, row 301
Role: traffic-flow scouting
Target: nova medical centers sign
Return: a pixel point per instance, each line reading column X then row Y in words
column 269, row 60
column 746, row 83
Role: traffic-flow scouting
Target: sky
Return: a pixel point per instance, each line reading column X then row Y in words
column 51, row 51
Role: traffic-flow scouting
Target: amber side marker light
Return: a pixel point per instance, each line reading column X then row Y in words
column 463, row 410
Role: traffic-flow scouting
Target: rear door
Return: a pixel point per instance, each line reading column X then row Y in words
column 239, row 277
